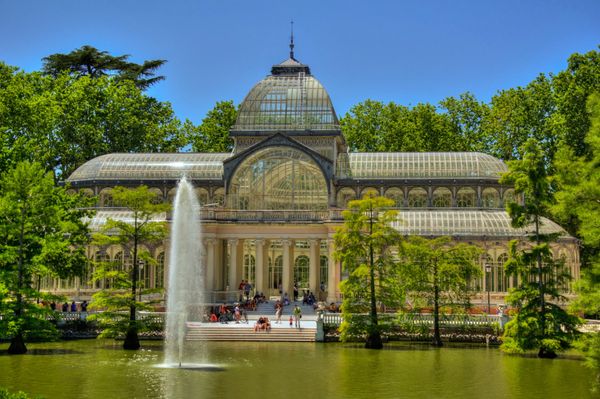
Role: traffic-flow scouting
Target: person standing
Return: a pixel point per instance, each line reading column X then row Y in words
column 278, row 312
column 297, row 316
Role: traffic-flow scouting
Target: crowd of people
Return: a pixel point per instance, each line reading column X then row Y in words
column 73, row 307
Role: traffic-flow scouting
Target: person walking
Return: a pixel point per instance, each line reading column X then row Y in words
column 297, row 316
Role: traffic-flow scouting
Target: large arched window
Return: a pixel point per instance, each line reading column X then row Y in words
column 301, row 269
column 490, row 198
column 324, row 271
column 344, row 196
column 442, row 198
column 278, row 178
column 466, row 197
column 396, row 195
column 417, row 198
column 276, row 272
column 249, row 268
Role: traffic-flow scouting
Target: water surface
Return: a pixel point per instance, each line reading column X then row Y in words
column 101, row 369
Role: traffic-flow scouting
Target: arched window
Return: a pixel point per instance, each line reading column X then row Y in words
column 417, row 198
column 502, row 277
column 106, row 199
column 369, row 192
column 249, row 268
column 159, row 273
column 442, row 197
column 490, row 198
column 202, row 195
column 219, row 196
column 396, row 195
column 301, row 270
column 344, row 196
column 509, row 196
column 324, row 270
column 276, row 272
column 278, row 178
column 158, row 197
column 466, row 197
column 171, row 195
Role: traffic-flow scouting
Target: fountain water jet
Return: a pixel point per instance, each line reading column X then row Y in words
column 185, row 291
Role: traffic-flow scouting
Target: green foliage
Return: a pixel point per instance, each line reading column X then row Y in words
column 372, row 280
column 89, row 61
column 520, row 114
column 441, row 272
column 572, row 88
column 372, row 126
column 5, row 394
column 124, row 285
column 589, row 344
column 539, row 322
column 212, row 135
column 41, row 234
column 467, row 115
column 63, row 122
column 578, row 178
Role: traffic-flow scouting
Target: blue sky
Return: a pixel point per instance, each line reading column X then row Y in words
column 402, row 51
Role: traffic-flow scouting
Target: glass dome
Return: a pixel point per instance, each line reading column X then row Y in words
column 173, row 166
column 278, row 178
column 407, row 165
column 286, row 102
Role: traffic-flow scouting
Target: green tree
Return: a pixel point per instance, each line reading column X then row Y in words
column 467, row 115
column 140, row 227
column 41, row 234
column 365, row 245
column 540, row 321
column 89, row 61
column 572, row 88
column 441, row 272
column 521, row 113
column 372, row 126
column 63, row 122
column 578, row 179
column 212, row 135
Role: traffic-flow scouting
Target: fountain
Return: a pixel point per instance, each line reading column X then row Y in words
column 185, row 290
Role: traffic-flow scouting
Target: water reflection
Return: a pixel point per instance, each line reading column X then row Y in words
column 287, row 370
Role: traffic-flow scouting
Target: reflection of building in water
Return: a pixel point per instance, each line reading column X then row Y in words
column 276, row 200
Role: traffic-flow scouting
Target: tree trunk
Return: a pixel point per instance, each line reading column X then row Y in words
column 374, row 340
column 17, row 345
column 545, row 353
column 132, row 342
column 374, row 336
column 437, row 339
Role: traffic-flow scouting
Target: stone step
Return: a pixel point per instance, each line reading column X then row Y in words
column 237, row 333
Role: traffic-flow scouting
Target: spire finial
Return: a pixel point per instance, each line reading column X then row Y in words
column 292, row 41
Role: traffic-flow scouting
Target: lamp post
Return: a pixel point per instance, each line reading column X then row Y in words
column 488, row 269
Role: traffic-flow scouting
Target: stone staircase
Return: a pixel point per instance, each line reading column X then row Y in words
column 245, row 332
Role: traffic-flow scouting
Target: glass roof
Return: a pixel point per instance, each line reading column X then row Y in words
column 456, row 223
column 99, row 219
column 196, row 166
column 468, row 223
column 286, row 102
column 401, row 165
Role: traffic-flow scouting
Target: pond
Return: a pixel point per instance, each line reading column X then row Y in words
column 101, row 369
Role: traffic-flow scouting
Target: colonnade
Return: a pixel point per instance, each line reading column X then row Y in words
column 269, row 265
